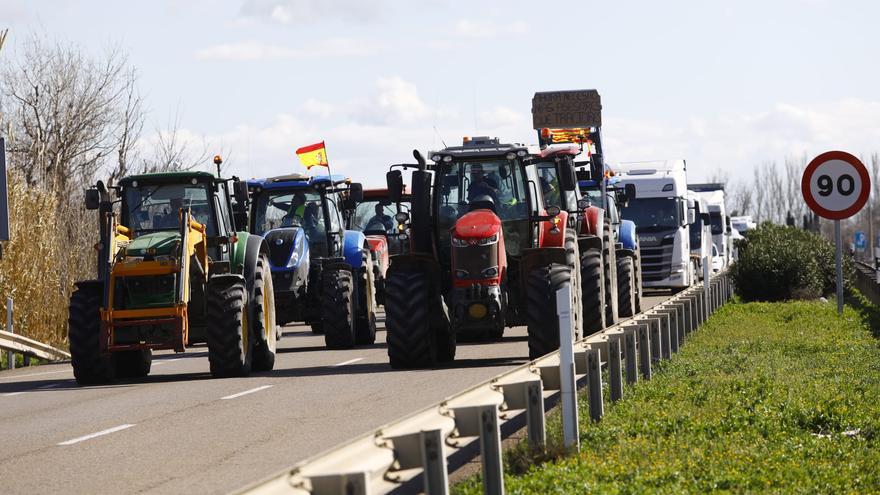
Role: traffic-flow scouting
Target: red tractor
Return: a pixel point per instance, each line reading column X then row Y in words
column 486, row 253
column 375, row 217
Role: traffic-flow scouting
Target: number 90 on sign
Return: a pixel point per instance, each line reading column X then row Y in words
column 835, row 185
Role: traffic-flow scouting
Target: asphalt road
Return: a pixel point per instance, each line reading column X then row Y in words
column 179, row 430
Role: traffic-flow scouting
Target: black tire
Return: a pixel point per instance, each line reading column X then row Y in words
column 447, row 342
column 609, row 258
column 626, row 294
column 263, row 324
column 412, row 342
column 592, row 291
column 365, row 325
column 90, row 367
column 338, row 308
column 133, row 364
column 572, row 259
column 541, row 286
column 317, row 328
column 230, row 345
column 637, row 268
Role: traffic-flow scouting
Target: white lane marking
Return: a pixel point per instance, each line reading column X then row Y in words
column 350, row 361
column 16, row 377
column 44, row 387
column 235, row 396
column 97, row 434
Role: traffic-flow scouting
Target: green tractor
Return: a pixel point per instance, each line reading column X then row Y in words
column 173, row 271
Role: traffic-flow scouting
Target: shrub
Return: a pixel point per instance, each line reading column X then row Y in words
column 779, row 263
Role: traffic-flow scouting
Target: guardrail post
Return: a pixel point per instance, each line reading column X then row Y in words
column 615, row 372
column 490, row 451
column 681, row 315
column 632, row 374
column 594, row 363
column 665, row 335
column 10, row 356
column 436, row 480
column 707, row 282
column 656, row 342
column 645, row 351
column 357, row 483
column 528, row 395
column 568, row 394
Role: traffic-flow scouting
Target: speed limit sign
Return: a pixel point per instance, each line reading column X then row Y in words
column 836, row 185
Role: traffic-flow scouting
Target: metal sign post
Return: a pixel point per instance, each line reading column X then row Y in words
column 566, row 368
column 836, row 185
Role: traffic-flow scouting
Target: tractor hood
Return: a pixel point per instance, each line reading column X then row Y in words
column 154, row 244
column 477, row 224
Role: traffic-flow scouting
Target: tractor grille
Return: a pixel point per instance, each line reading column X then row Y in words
column 473, row 260
column 144, row 292
column 280, row 246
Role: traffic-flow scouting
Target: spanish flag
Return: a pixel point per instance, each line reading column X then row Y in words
column 313, row 155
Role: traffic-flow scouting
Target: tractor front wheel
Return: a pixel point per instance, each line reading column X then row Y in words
column 338, row 309
column 230, row 345
column 263, row 321
column 626, row 295
column 90, row 367
column 592, row 291
column 541, row 312
column 609, row 256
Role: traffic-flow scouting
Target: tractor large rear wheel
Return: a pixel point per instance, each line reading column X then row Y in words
column 541, row 315
column 365, row 325
column 230, row 345
column 263, row 317
column 90, row 367
column 609, row 258
column 573, row 260
column 626, row 295
column 592, row 291
column 412, row 342
column 338, row 308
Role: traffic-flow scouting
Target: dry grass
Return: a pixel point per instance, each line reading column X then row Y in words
column 50, row 248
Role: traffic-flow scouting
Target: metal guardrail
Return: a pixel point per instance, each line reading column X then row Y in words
column 20, row 344
column 419, row 445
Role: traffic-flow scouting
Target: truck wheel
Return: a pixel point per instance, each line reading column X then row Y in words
column 133, row 364
column 365, row 326
column 412, row 342
column 573, row 260
column 610, row 259
column 637, row 269
column 592, row 291
column 541, row 317
column 626, row 287
column 230, row 346
column 90, row 367
column 338, row 308
column 263, row 321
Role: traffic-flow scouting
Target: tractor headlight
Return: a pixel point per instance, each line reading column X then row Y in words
column 490, row 272
column 133, row 259
column 294, row 258
column 488, row 240
column 456, row 242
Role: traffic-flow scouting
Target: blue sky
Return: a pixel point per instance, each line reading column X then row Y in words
column 724, row 85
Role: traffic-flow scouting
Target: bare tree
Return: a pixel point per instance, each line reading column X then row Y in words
column 173, row 151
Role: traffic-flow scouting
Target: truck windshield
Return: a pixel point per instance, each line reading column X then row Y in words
column 376, row 216
column 717, row 223
column 156, row 207
column 652, row 213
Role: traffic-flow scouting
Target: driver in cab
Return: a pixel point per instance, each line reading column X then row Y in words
column 481, row 184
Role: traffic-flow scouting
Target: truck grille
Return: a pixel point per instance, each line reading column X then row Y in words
column 656, row 262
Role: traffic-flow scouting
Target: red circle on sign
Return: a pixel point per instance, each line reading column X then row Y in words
column 863, row 194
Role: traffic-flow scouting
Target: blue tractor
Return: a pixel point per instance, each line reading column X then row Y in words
column 322, row 273
column 626, row 242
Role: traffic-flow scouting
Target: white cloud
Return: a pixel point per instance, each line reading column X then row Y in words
column 486, row 29
column 301, row 12
column 254, row 50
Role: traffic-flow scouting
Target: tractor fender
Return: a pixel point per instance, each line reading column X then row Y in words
column 353, row 243
column 238, row 252
column 588, row 242
column 379, row 245
column 595, row 217
column 628, row 235
column 535, row 257
column 254, row 246
column 549, row 238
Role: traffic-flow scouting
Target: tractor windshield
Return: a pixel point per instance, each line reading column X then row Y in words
column 300, row 208
column 498, row 185
column 594, row 194
column 156, row 207
column 376, row 216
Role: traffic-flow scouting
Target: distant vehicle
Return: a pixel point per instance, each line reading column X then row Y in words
column 743, row 223
column 717, row 260
column 700, row 231
column 734, row 237
column 714, row 196
column 660, row 210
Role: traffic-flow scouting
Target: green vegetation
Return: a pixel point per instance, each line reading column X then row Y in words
column 778, row 263
column 766, row 397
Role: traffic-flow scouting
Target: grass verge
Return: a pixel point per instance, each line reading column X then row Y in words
column 779, row 397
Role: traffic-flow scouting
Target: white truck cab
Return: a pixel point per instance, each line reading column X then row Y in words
column 700, row 231
column 660, row 212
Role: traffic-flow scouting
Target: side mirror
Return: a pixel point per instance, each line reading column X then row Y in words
column 630, row 190
column 692, row 216
column 240, row 193
column 567, row 178
column 356, row 192
column 93, row 199
column 394, row 179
